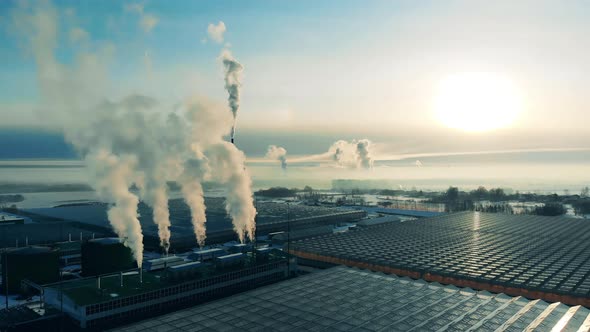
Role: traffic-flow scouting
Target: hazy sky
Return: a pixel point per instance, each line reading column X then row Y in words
column 347, row 68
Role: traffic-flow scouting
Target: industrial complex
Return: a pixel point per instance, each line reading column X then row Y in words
column 112, row 298
column 271, row 217
column 334, row 270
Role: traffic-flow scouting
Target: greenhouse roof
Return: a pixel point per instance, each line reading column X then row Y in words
column 537, row 254
column 343, row 299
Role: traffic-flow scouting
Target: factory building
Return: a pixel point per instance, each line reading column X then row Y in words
column 349, row 299
column 537, row 257
column 107, row 300
column 271, row 217
column 106, row 255
column 37, row 264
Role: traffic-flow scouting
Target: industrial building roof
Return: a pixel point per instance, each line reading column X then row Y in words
column 268, row 213
column 348, row 299
column 543, row 254
column 85, row 291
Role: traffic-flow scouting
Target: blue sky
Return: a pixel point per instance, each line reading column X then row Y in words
column 354, row 66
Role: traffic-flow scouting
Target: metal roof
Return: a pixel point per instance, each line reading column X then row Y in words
column 348, row 299
column 538, row 254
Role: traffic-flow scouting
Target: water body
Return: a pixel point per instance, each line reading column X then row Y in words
column 542, row 172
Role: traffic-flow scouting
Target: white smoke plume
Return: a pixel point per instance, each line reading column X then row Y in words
column 365, row 159
column 353, row 154
column 195, row 170
column 135, row 140
column 207, row 138
column 215, row 32
column 233, row 78
column 277, row 153
column 112, row 183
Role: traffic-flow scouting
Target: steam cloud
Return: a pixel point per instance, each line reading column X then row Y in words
column 215, row 32
column 233, row 78
column 136, row 140
column 277, row 153
column 353, row 154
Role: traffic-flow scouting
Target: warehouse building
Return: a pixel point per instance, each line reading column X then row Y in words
column 107, row 300
column 271, row 217
column 537, row 257
column 348, row 299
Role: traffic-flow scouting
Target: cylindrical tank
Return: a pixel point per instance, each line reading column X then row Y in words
column 106, row 255
column 38, row 264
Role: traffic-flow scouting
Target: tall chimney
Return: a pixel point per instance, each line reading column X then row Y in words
column 98, row 282
column 121, row 277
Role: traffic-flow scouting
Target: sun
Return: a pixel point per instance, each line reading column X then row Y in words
column 477, row 102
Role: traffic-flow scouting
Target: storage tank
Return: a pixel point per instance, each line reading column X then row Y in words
column 38, row 264
column 106, row 255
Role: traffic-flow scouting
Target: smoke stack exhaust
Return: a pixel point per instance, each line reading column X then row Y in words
column 233, row 82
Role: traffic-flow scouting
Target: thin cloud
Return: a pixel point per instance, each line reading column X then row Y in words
column 147, row 21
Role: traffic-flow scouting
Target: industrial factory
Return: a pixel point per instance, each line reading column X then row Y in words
column 109, row 288
column 510, row 272
column 271, row 217
column 96, row 282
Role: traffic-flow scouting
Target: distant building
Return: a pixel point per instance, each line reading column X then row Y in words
column 8, row 218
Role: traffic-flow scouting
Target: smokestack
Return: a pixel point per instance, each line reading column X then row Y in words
column 70, row 237
column 233, row 77
column 98, row 282
column 27, row 241
column 80, row 236
column 121, row 277
column 140, row 275
column 17, row 243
